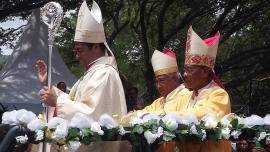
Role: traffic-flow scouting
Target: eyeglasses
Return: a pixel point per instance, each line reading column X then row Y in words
column 191, row 69
column 163, row 82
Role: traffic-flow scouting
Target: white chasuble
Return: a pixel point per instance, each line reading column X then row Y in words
column 99, row 91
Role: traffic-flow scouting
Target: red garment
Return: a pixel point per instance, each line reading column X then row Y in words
column 215, row 78
column 169, row 53
column 210, row 41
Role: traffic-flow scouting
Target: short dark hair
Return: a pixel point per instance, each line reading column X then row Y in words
column 101, row 45
column 58, row 84
column 133, row 88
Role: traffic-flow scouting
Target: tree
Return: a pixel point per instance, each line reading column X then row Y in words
column 135, row 28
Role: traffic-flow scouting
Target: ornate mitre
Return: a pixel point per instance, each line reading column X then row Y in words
column 89, row 27
column 201, row 52
column 164, row 63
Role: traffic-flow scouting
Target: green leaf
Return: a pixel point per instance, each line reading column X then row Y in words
column 214, row 139
column 112, row 132
column 162, row 124
column 168, row 136
column 234, row 123
column 86, row 140
column 260, row 129
column 218, row 133
column 240, row 126
column 44, row 128
column 72, row 134
column 176, row 149
column 181, row 137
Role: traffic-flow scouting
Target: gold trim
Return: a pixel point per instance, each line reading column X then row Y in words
column 166, row 71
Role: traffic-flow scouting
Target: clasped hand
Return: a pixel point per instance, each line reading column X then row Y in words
column 48, row 96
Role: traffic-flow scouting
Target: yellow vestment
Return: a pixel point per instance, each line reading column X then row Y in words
column 212, row 100
column 170, row 103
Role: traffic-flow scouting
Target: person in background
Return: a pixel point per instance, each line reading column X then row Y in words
column 62, row 86
column 242, row 146
column 135, row 102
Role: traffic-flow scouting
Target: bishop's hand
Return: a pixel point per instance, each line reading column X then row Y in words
column 42, row 72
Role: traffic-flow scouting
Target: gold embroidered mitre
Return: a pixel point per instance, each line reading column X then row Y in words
column 201, row 52
column 89, row 27
column 164, row 63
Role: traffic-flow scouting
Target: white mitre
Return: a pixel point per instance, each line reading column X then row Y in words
column 89, row 27
column 164, row 63
column 201, row 52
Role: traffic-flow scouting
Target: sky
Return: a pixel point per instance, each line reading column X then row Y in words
column 11, row 24
column 17, row 23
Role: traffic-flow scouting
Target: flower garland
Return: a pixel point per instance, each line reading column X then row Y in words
column 84, row 130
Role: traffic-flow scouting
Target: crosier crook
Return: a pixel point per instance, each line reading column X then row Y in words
column 51, row 14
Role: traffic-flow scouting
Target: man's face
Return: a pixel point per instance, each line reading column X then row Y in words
column 243, row 145
column 133, row 94
column 193, row 75
column 63, row 87
column 165, row 84
column 83, row 53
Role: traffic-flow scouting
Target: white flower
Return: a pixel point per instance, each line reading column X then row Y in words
column 35, row 124
column 150, row 116
column 204, row 134
column 121, row 130
column 55, row 121
column 210, row 121
column 10, row 118
column 22, row 139
column 160, row 131
column 61, row 131
column 262, row 135
column 226, row 133
column 24, row 116
column 81, row 121
column 135, row 121
column 107, row 121
column 226, row 120
column 140, row 130
column 193, row 130
column 236, row 133
column 267, row 119
column 172, row 124
column 39, row 135
column 172, row 115
column 253, row 120
column 96, row 128
column 241, row 120
column 189, row 118
column 150, row 137
column 73, row 146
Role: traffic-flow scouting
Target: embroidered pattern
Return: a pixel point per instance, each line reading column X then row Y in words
column 197, row 59
column 166, row 71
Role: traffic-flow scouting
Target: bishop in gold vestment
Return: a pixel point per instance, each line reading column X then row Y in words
column 208, row 95
column 168, row 82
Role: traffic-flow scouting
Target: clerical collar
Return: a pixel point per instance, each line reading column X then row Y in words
column 205, row 87
column 92, row 63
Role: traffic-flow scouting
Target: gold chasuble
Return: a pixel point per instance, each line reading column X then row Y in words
column 168, row 104
column 209, row 100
